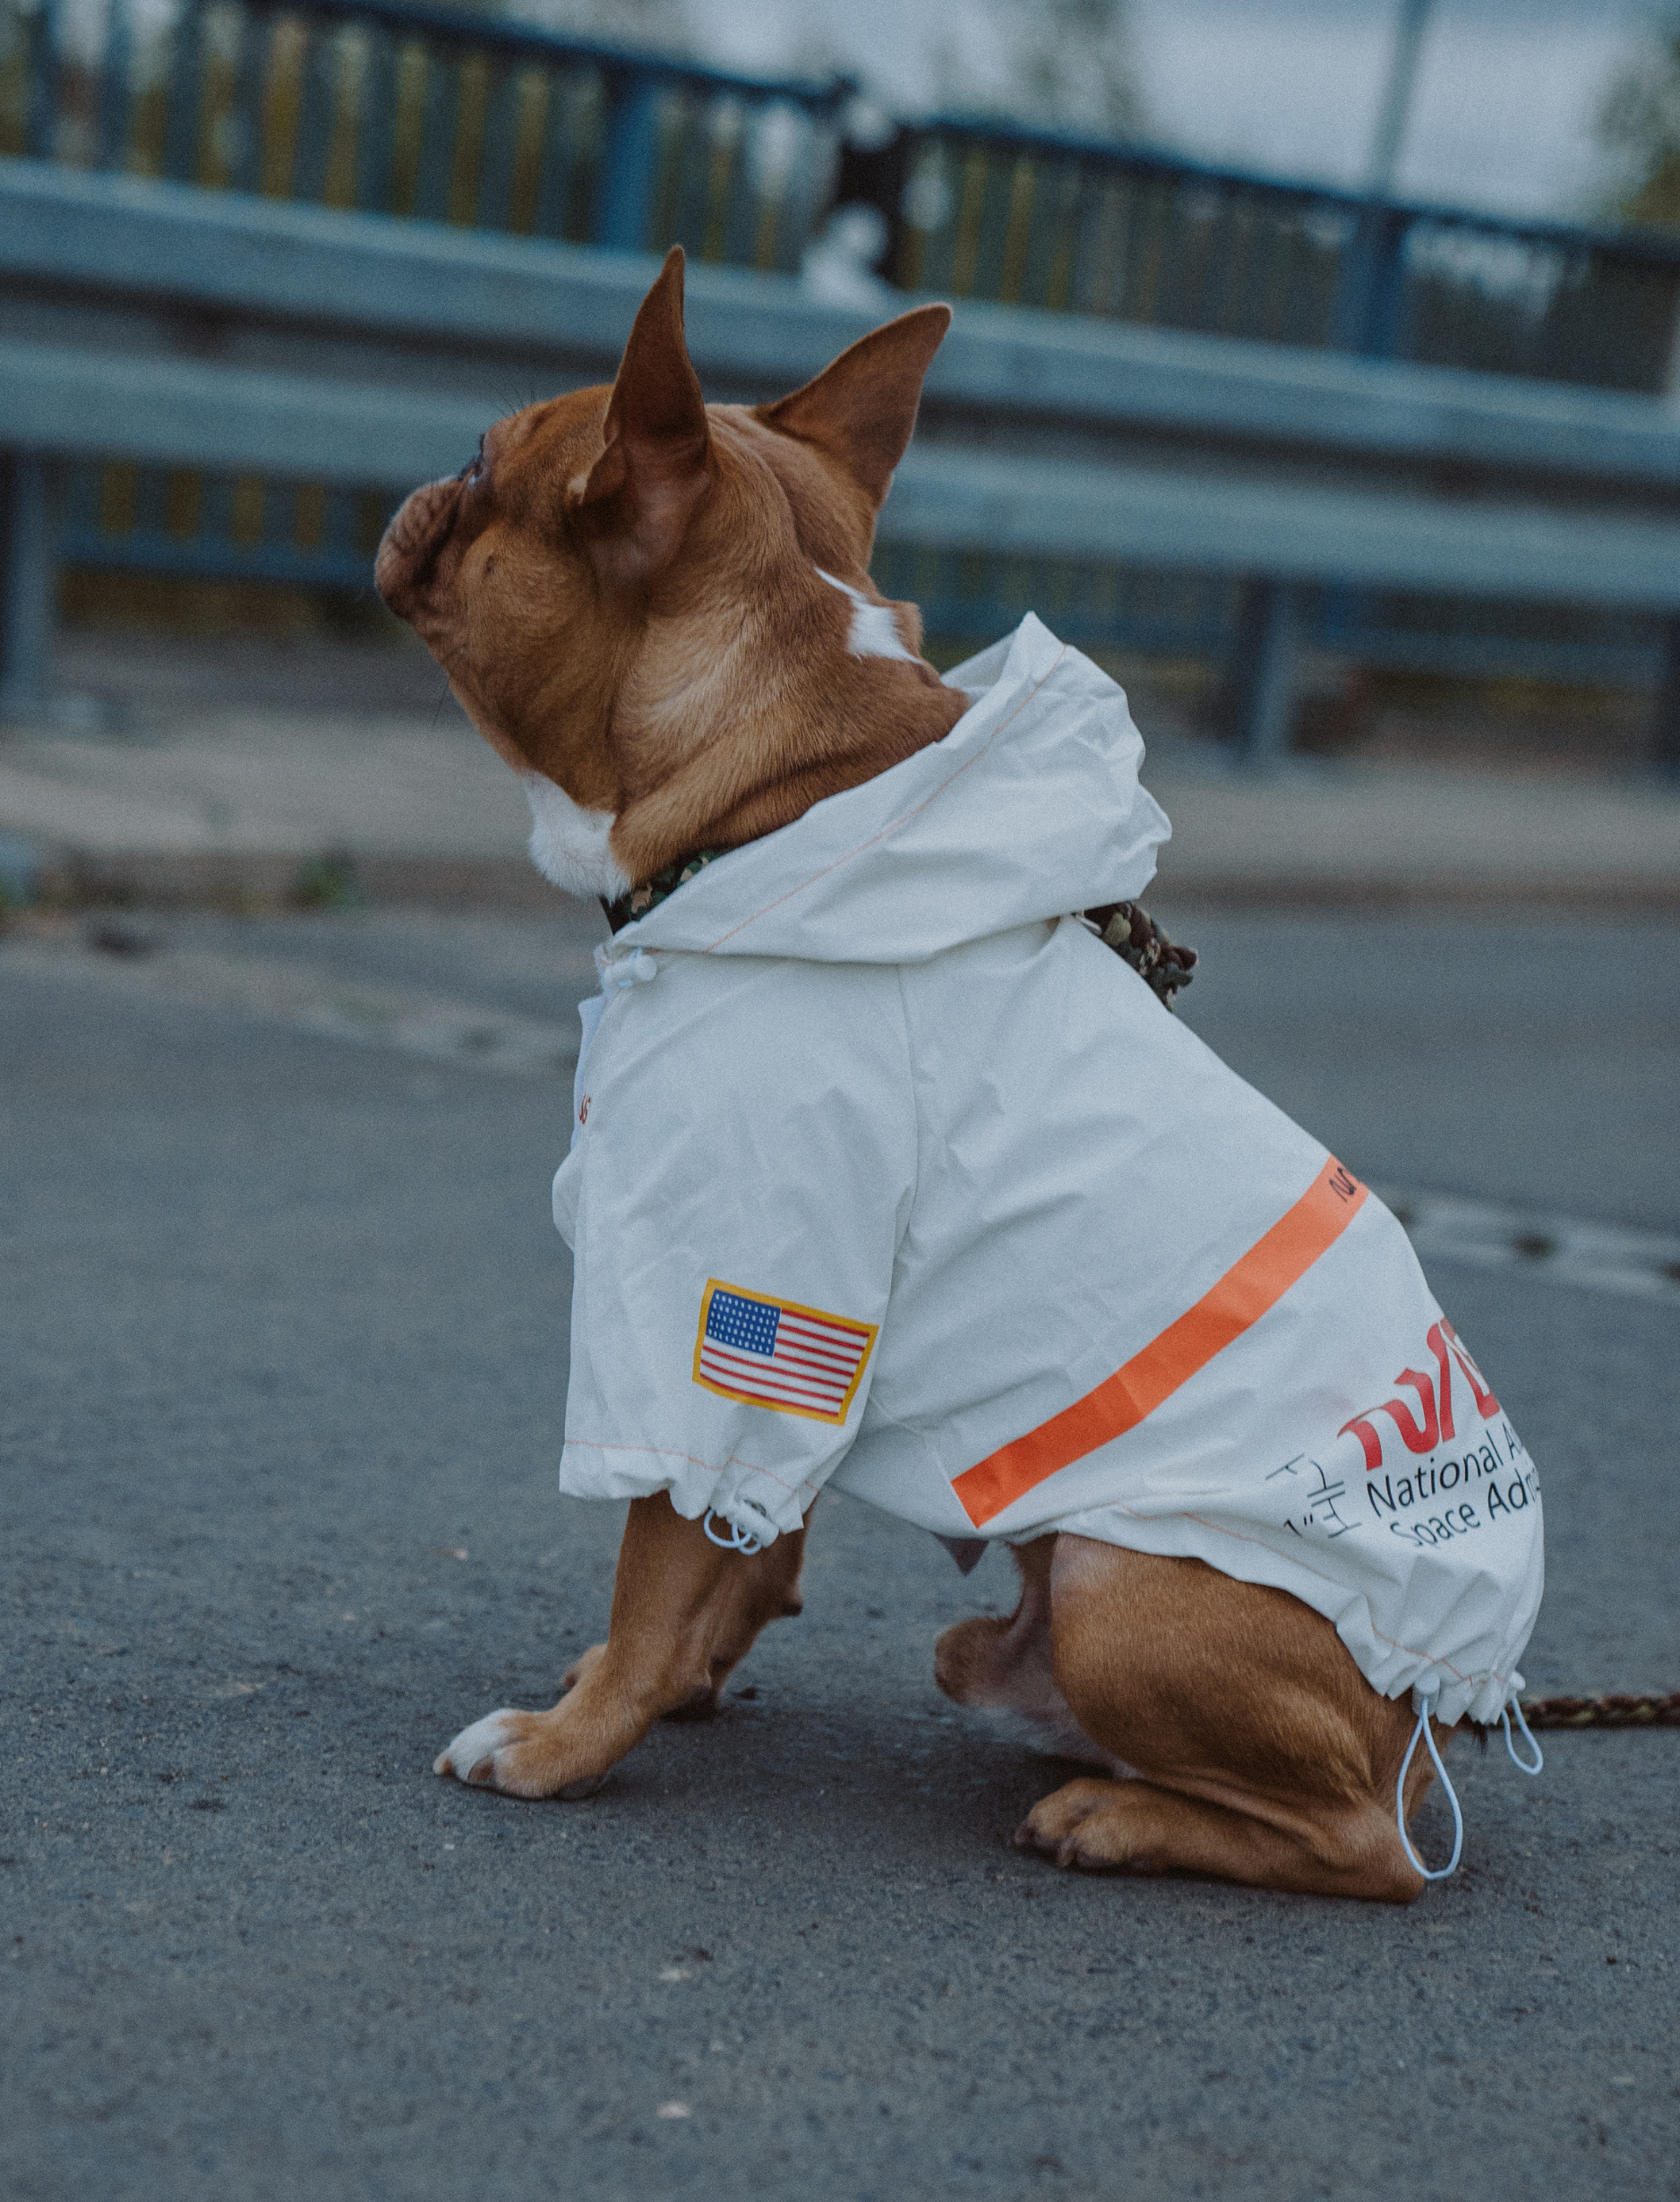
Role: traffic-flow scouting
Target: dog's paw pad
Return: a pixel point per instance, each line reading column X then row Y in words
column 471, row 1757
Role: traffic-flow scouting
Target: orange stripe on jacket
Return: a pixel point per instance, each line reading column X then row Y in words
column 1121, row 1402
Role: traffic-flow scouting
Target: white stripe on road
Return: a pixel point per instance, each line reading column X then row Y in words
column 1602, row 1257
column 308, row 998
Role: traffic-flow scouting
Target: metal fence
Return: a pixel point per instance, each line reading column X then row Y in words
column 1029, row 218
column 412, row 112
column 404, row 111
column 968, row 598
column 216, row 527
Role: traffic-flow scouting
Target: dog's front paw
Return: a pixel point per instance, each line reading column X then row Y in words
column 471, row 1757
column 513, row 1753
column 1085, row 1823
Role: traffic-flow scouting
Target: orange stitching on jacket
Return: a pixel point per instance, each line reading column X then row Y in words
column 671, row 1452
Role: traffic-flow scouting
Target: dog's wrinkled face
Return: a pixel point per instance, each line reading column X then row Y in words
column 645, row 603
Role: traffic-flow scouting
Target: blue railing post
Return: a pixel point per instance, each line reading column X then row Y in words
column 323, row 60
column 1261, row 674
column 1370, row 309
column 440, row 120
column 184, row 127
column 376, row 136
column 623, row 206
column 41, row 91
column 29, row 581
column 115, row 68
column 1666, row 729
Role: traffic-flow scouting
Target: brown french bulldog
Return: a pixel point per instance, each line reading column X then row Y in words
column 647, row 606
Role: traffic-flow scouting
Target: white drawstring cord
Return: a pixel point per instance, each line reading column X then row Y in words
column 1424, row 1729
column 739, row 1541
column 1505, row 1712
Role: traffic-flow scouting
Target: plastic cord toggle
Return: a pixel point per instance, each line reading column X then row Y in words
column 618, row 973
column 739, row 1541
column 1423, row 1728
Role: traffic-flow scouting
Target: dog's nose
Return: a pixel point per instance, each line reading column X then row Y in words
column 393, row 574
column 407, row 561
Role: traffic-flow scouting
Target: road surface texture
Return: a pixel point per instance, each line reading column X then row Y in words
column 285, row 1361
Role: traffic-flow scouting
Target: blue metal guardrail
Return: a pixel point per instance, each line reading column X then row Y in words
column 1031, row 218
column 414, row 112
column 970, row 598
column 407, row 110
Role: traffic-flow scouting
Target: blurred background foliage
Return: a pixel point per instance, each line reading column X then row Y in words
column 1639, row 122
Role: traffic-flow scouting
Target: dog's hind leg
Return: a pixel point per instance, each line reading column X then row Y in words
column 1005, row 1668
column 684, row 1612
column 1262, row 1754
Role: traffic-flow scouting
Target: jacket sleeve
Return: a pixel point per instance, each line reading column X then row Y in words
column 735, row 1198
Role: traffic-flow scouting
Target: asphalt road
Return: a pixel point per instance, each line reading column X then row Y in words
column 283, row 1362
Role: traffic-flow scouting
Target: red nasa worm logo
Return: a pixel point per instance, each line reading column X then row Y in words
column 1435, row 1400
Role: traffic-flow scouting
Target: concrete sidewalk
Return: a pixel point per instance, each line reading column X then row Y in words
column 222, row 771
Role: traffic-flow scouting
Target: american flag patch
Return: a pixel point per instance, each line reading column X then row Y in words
column 775, row 1353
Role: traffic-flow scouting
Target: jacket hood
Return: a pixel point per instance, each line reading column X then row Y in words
column 1029, row 808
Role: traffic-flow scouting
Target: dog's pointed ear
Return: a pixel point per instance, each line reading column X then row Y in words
column 642, row 492
column 862, row 408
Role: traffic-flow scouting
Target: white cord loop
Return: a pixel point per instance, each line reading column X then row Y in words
column 1423, row 1728
column 1528, row 1734
column 739, row 1541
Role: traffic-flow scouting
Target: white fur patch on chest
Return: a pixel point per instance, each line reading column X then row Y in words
column 874, row 630
column 568, row 843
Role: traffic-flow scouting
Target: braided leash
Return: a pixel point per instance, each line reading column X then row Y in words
column 1603, row 1712
column 1136, row 940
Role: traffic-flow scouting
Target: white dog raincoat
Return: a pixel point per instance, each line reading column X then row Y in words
column 886, row 1172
